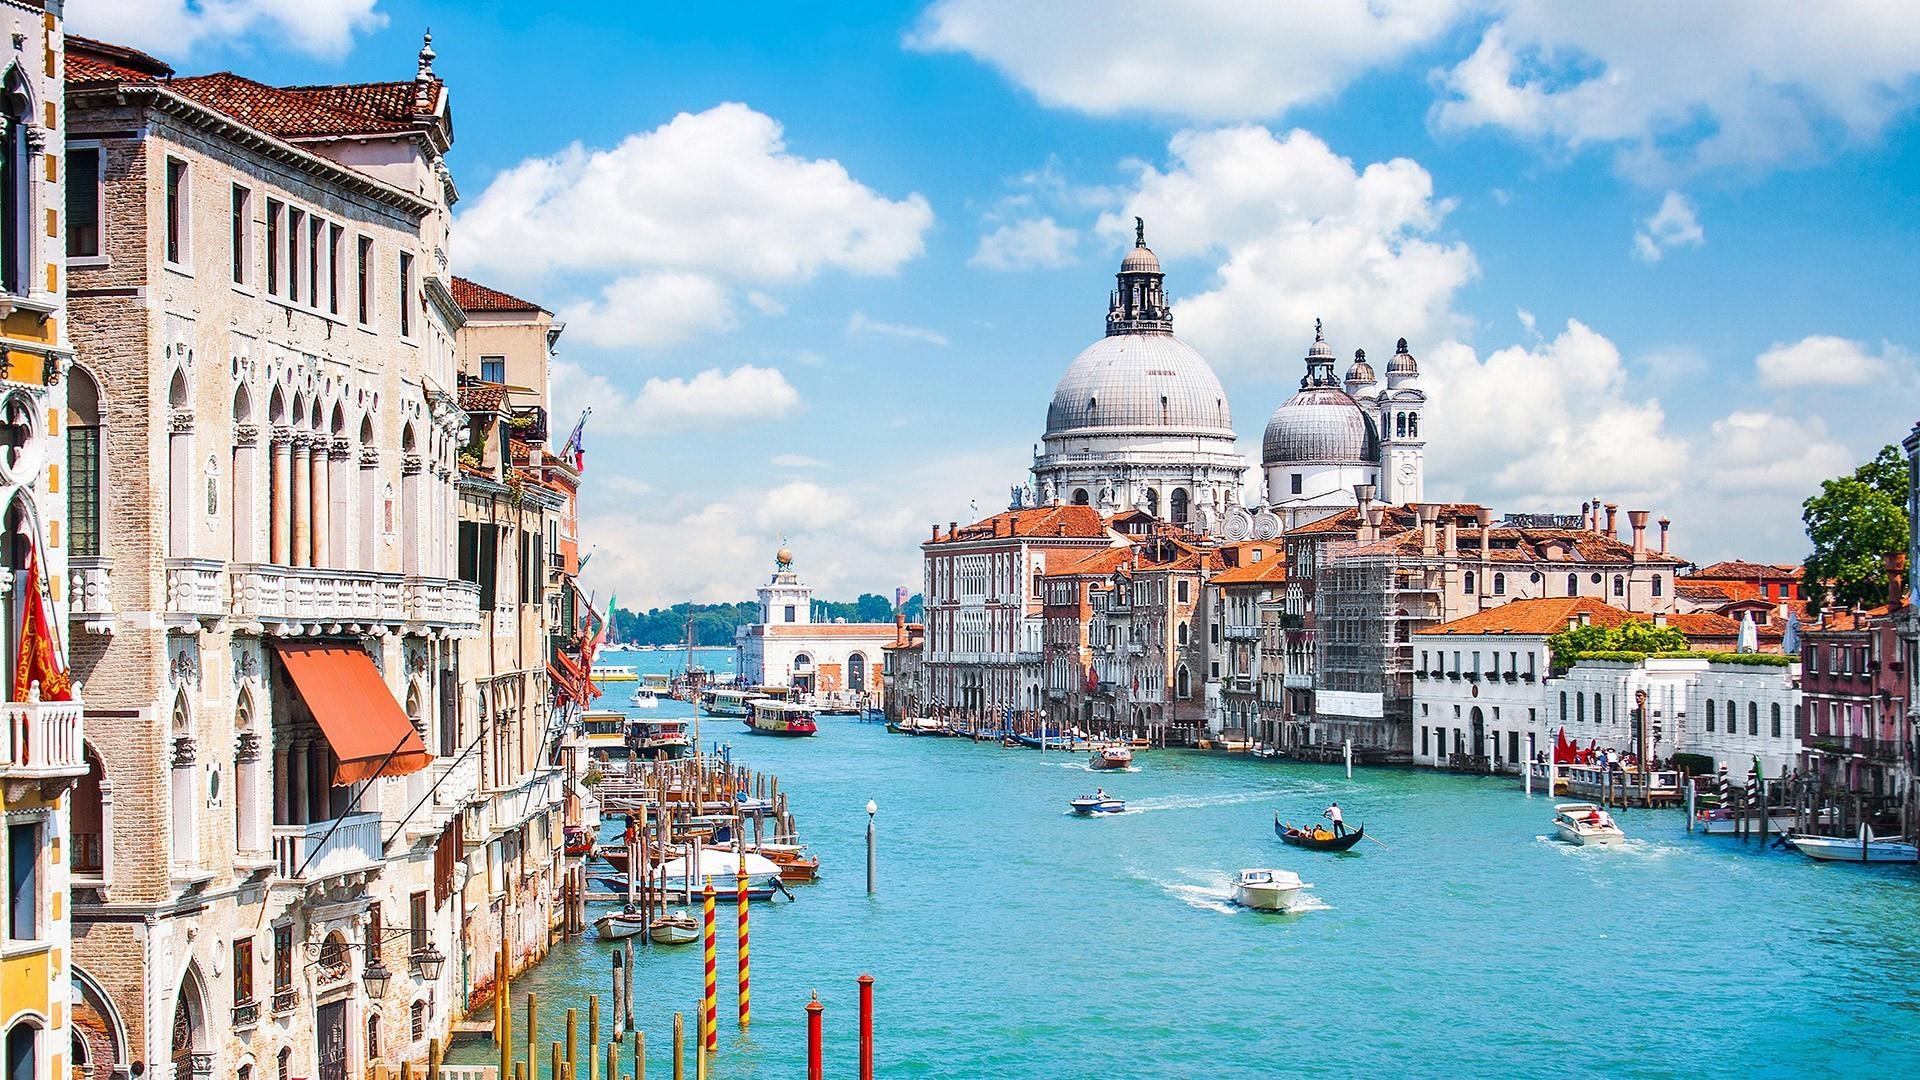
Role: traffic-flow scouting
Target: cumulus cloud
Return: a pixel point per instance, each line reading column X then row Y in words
column 1778, row 83
column 1299, row 233
column 1203, row 59
column 860, row 325
column 1824, row 360
column 1026, row 244
column 711, row 398
column 323, row 28
column 1673, row 225
column 650, row 311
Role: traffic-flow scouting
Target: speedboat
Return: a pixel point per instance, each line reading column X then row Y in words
column 1088, row 805
column 1585, row 824
column 621, row 924
column 1268, row 890
column 646, row 699
column 796, row 863
column 1111, row 757
column 1867, row 848
column 720, row 866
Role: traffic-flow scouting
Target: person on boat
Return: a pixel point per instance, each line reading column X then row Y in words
column 1332, row 814
column 1100, row 793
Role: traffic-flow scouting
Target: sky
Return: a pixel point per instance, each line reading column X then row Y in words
column 822, row 264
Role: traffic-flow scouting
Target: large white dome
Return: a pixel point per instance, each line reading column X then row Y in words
column 1140, row 382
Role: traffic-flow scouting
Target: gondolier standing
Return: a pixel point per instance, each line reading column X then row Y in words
column 1332, row 814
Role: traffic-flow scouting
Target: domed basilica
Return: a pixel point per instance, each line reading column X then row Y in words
column 1140, row 420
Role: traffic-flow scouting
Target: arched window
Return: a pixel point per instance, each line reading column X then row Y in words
column 23, row 1053
column 16, row 184
column 1400, row 425
column 1080, row 496
column 1580, row 708
column 83, row 463
column 1178, row 504
column 1709, row 714
column 1153, row 502
column 1181, row 632
column 1181, row 685
column 240, row 499
column 1619, row 585
column 373, row 1036
column 1413, row 425
column 90, row 838
column 1563, row 706
column 17, row 549
column 1499, row 584
column 285, row 1062
column 1466, row 582
column 182, row 754
column 410, row 512
column 1733, row 719
column 857, row 673
column 418, row 1022
column 1656, row 584
column 1573, row 584
column 1753, row 718
column 1776, row 719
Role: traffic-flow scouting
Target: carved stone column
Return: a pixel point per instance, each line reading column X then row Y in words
column 321, row 511
column 302, row 500
column 282, row 525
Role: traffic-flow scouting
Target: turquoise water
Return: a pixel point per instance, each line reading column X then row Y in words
column 1010, row 939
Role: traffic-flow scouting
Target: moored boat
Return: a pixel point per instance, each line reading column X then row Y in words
column 1268, row 890
column 658, row 739
column 579, row 841
column 674, row 928
column 1586, row 825
column 1867, row 848
column 1097, row 803
column 716, row 701
column 770, row 717
column 621, row 924
column 1317, row 837
column 796, row 863
column 1111, row 757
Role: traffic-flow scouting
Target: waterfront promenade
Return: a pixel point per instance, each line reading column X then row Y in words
column 1010, row 939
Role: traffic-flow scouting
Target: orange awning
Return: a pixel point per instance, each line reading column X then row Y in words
column 368, row 730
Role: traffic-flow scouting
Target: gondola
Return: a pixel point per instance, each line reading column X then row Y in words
column 1305, row 838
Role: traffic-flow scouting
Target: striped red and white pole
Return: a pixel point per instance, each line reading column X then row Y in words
column 746, row 994
column 710, row 1004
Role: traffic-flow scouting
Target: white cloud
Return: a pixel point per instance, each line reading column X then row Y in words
column 795, row 461
column 651, row 311
column 1761, row 451
column 765, row 304
column 1673, row 225
column 714, row 192
column 1825, row 360
column 711, row 398
column 1203, row 59
column 1674, row 88
column 1301, row 235
column 859, row 325
column 324, row 28
column 1027, row 244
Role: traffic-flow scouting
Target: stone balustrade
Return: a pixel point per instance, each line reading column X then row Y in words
column 195, row 590
column 42, row 740
column 317, row 850
column 92, row 595
column 443, row 602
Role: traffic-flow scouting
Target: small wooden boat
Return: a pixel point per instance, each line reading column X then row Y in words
column 1111, row 757
column 674, row 928
column 796, row 863
column 1268, row 890
column 1088, row 805
column 579, row 841
column 621, row 924
column 1585, row 825
column 1317, row 838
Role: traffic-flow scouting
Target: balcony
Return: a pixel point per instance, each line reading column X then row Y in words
column 195, row 593
column 316, row 599
column 41, row 741
column 443, row 602
column 1292, row 681
column 1242, row 633
column 92, row 605
column 308, row 853
column 246, row 1014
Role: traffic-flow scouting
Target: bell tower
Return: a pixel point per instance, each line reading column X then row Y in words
column 1403, row 439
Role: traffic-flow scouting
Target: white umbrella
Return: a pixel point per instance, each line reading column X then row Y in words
column 1749, row 640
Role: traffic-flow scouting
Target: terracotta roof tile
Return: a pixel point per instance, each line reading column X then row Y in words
column 1545, row 616
column 99, row 61
column 473, row 296
column 1268, row 571
column 1095, row 564
column 483, row 397
column 1741, row 570
column 1073, row 521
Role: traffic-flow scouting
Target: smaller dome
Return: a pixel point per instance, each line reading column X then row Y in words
column 1402, row 362
column 1320, row 425
column 1361, row 373
column 1319, row 350
column 1140, row 260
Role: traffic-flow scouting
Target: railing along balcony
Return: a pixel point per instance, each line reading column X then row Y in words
column 308, row 853
column 443, row 602
column 92, row 593
column 1242, row 633
column 195, row 590
column 42, row 740
column 269, row 593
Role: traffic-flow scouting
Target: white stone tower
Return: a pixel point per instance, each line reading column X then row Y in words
column 1403, row 430
column 784, row 598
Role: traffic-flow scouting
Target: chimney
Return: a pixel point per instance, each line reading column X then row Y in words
column 1613, row 529
column 899, row 628
column 952, row 527
column 1664, row 523
column 1452, row 538
column 1586, row 515
column 1371, row 531
column 1896, row 564
column 1060, row 528
column 1659, row 618
column 1586, row 618
column 1596, row 513
column 936, row 533
column 1363, row 498
column 1638, row 519
column 1428, row 543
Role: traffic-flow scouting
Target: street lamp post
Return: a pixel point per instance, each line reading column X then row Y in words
column 873, row 863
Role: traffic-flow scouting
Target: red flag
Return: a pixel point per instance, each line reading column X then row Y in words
column 42, row 660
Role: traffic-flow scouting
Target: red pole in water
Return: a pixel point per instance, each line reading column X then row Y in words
column 866, row 1027
column 815, row 1069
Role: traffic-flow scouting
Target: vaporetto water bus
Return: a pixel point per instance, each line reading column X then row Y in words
column 737, row 704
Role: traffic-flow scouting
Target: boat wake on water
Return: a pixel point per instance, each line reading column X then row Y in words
column 1212, row 890
column 1633, row 845
column 1198, row 802
column 1081, row 766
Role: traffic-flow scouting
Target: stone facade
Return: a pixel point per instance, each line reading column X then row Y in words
column 786, row 647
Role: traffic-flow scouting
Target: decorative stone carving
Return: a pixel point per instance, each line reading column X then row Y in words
column 369, row 457
column 184, row 753
column 246, row 434
column 185, row 667
column 180, row 422
column 246, row 747
column 282, row 434
column 410, row 465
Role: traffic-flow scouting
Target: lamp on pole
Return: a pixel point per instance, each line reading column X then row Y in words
column 873, row 864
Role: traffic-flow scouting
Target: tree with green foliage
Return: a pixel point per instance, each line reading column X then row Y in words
column 1854, row 523
column 1636, row 635
column 714, row 624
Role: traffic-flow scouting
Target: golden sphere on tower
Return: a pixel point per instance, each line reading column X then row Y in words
column 783, row 559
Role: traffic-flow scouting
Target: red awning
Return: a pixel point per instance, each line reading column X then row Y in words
column 368, row 730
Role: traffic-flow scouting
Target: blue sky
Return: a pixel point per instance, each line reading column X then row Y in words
column 822, row 264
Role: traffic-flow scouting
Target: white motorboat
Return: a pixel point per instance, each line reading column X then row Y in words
column 1867, row 848
column 720, row 866
column 1268, row 890
column 621, row 924
column 1585, row 824
column 1098, row 803
column 646, row 699
column 676, row 927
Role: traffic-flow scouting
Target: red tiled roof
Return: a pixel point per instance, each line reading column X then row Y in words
column 473, row 296
column 483, row 397
column 1094, row 564
column 1740, row 570
column 1526, row 546
column 1268, row 571
column 91, row 61
column 1704, row 625
column 1545, row 616
column 1073, row 521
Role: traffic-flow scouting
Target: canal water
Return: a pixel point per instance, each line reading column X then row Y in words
column 1009, row 938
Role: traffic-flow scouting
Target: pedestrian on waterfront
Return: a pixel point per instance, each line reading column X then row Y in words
column 1332, row 814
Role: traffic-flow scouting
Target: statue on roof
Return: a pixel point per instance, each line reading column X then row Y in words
column 1139, row 233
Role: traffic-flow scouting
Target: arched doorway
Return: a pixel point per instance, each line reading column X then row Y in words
column 23, row 1051
column 1178, row 505
column 189, row 1053
column 88, row 849
column 1479, row 725
column 857, row 673
column 1080, row 496
column 99, row 1036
